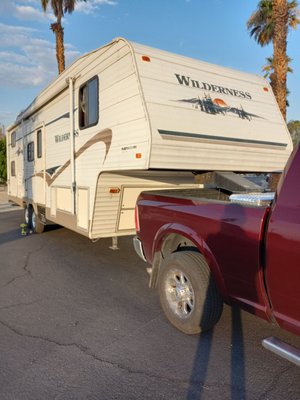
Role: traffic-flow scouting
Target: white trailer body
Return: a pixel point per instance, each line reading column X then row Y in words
column 126, row 118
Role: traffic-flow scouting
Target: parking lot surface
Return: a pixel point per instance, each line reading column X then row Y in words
column 78, row 321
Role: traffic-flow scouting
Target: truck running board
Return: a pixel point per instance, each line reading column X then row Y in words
column 282, row 349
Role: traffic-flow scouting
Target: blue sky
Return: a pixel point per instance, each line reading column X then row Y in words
column 210, row 30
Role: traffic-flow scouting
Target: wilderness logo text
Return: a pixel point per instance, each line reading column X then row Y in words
column 193, row 83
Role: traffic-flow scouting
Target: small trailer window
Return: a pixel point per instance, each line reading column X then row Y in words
column 39, row 143
column 88, row 103
column 13, row 139
column 30, row 151
column 13, row 168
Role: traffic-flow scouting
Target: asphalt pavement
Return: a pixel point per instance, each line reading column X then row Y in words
column 78, row 321
column 5, row 205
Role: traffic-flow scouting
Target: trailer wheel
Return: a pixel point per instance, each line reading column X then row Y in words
column 188, row 293
column 36, row 223
column 27, row 215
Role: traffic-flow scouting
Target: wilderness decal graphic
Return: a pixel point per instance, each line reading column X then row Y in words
column 53, row 173
column 215, row 105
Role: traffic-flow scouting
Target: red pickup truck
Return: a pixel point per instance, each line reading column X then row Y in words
column 205, row 252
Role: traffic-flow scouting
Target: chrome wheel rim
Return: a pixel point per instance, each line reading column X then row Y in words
column 33, row 220
column 26, row 215
column 179, row 293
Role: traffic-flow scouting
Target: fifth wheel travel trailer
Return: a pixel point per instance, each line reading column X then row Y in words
column 127, row 118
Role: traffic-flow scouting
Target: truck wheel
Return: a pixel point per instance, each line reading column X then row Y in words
column 36, row 223
column 188, row 293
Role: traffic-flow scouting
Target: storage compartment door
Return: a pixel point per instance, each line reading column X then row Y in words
column 129, row 198
column 83, row 208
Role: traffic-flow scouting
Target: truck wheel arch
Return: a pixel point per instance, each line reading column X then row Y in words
column 172, row 238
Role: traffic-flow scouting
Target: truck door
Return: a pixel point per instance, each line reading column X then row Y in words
column 283, row 250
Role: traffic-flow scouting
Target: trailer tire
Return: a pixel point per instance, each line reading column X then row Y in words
column 27, row 215
column 36, row 224
column 188, row 293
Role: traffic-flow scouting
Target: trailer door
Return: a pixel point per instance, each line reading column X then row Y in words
column 39, row 166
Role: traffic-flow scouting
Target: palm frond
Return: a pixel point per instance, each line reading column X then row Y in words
column 44, row 4
column 261, row 22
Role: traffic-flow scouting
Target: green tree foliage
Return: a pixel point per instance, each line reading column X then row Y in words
column 3, row 170
column 268, row 69
column 294, row 128
column 261, row 24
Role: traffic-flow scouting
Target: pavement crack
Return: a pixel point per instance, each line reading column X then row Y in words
column 22, row 304
column 86, row 351
column 13, row 280
column 26, row 264
column 39, row 337
column 25, row 268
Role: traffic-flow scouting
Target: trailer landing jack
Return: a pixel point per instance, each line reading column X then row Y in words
column 114, row 245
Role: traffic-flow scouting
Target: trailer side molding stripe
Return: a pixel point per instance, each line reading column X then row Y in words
column 187, row 136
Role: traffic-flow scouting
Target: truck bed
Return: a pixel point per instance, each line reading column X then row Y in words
column 217, row 195
column 230, row 233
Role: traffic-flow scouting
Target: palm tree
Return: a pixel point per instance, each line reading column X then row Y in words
column 268, row 69
column 280, row 12
column 270, row 23
column 261, row 23
column 59, row 8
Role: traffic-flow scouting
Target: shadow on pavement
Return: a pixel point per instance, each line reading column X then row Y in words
column 237, row 361
column 16, row 234
column 52, row 227
column 10, row 236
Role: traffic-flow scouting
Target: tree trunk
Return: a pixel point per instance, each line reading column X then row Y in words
column 58, row 30
column 280, row 11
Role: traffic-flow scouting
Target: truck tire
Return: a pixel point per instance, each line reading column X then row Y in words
column 188, row 293
column 36, row 223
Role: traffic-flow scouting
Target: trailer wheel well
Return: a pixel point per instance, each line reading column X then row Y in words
column 172, row 243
